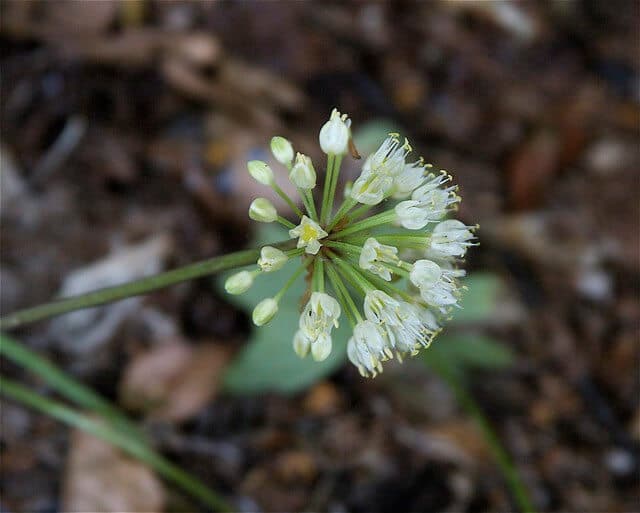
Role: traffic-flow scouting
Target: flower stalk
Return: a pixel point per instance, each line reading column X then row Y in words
column 133, row 288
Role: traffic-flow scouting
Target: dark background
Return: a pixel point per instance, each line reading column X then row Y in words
column 128, row 125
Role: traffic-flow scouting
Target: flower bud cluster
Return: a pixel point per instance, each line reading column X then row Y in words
column 394, row 274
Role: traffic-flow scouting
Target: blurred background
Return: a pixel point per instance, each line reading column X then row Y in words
column 126, row 127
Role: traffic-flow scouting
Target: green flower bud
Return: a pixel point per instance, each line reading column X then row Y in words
column 260, row 171
column 303, row 175
column 271, row 259
column 264, row 311
column 262, row 210
column 238, row 283
column 282, row 150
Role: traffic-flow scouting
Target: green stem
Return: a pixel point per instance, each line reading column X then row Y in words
column 347, row 205
column 366, row 224
column 347, row 248
column 133, row 288
column 361, row 211
column 404, row 240
column 390, row 289
column 128, row 444
column 500, row 454
column 285, row 222
column 344, row 297
column 327, row 185
column 286, row 198
column 289, row 282
column 309, row 203
column 334, row 182
column 80, row 394
column 398, row 270
column 355, row 277
column 319, row 271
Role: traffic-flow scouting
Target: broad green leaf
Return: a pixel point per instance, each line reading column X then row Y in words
column 465, row 351
column 268, row 362
column 480, row 300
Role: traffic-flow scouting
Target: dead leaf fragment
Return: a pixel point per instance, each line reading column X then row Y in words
column 174, row 380
column 323, row 399
column 99, row 477
column 531, row 169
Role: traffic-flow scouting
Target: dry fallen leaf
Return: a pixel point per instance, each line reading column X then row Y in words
column 99, row 477
column 530, row 170
column 174, row 380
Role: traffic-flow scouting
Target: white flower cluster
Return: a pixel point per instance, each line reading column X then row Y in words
column 348, row 252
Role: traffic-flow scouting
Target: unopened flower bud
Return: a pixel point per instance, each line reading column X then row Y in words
column 303, row 175
column 262, row 210
column 335, row 133
column 271, row 259
column 264, row 311
column 239, row 282
column 282, row 150
column 260, row 171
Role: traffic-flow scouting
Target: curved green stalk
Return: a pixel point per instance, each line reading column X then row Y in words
column 128, row 444
column 500, row 454
column 133, row 288
column 73, row 390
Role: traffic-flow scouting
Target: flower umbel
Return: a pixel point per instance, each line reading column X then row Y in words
column 394, row 303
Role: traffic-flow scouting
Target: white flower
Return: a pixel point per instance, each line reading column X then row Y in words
column 335, row 134
column 368, row 347
column 427, row 318
column 260, row 171
column 303, row 175
column 437, row 286
column 376, row 181
column 417, row 330
column 282, row 150
column 429, row 203
column 415, row 214
column 321, row 347
column 409, row 178
column 450, row 238
column 389, row 158
column 373, row 255
column 317, row 320
column 301, row 344
column 308, row 232
column 371, row 189
column 238, row 282
column 262, row 210
column 271, row 259
column 382, row 308
column 264, row 311
column 320, row 314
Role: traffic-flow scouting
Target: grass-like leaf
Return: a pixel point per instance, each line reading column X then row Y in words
column 131, row 445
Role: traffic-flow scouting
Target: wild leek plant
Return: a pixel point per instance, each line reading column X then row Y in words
column 392, row 272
